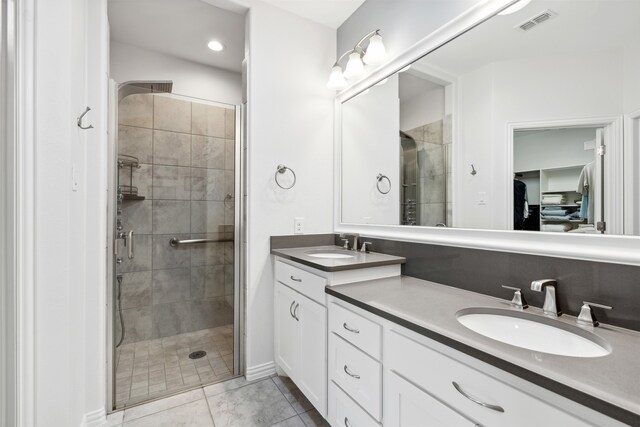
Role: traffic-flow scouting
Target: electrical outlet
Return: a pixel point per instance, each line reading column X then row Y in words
column 298, row 225
column 482, row 198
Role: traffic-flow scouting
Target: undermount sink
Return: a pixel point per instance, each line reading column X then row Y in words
column 533, row 332
column 330, row 254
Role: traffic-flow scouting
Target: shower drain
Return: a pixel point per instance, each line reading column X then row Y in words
column 197, row 354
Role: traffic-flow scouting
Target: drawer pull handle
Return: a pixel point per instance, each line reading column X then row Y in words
column 474, row 400
column 346, row 370
column 346, row 422
column 355, row 331
column 296, row 279
column 291, row 309
column 295, row 312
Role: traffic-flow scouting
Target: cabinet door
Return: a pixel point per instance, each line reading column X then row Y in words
column 410, row 406
column 312, row 366
column 287, row 330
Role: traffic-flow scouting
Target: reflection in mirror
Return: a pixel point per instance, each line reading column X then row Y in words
column 557, row 180
column 504, row 127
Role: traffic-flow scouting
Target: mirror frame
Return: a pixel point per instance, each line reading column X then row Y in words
column 619, row 249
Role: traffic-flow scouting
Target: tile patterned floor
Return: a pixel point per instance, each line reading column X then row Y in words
column 153, row 368
column 273, row 401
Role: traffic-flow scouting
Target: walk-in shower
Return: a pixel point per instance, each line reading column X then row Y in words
column 174, row 278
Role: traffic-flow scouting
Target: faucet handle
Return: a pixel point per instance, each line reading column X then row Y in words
column 518, row 299
column 586, row 316
column 346, row 243
column 365, row 247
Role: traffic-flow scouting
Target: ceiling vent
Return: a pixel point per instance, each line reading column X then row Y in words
column 536, row 20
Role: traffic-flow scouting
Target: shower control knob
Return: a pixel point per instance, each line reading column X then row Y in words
column 118, row 260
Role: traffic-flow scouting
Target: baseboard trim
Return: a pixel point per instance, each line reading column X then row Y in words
column 260, row 371
column 97, row 418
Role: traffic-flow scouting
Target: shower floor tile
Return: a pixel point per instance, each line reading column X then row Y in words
column 152, row 368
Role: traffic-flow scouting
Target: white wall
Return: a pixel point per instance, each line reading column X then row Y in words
column 69, row 370
column 632, row 73
column 552, row 148
column 551, row 88
column 189, row 78
column 370, row 144
column 424, row 108
column 290, row 122
column 402, row 24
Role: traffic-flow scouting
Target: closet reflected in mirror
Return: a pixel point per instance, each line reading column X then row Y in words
column 503, row 127
column 557, row 185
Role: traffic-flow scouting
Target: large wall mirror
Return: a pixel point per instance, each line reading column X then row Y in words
column 517, row 124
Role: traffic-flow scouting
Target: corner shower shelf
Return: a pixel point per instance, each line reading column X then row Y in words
column 128, row 192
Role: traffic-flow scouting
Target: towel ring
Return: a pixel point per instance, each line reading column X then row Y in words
column 280, row 170
column 379, row 179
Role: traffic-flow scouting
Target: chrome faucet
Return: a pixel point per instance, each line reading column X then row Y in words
column 347, row 245
column 550, row 307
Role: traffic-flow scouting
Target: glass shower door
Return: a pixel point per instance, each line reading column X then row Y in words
column 174, row 291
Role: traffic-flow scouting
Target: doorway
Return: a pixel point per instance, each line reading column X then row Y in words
column 174, row 295
column 573, row 169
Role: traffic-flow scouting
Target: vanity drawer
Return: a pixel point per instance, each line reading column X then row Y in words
column 436, row 373
column 359, row 375
column 306, row 283
column 359, row 331
column 344, row 412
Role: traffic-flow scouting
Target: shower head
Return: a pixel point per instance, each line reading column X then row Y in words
column 144, row 86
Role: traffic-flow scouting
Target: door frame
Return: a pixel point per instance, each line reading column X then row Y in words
column 613, row 138
column 17, row 205
column 631, row 174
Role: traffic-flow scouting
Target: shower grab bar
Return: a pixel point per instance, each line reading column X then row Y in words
column 177, row 242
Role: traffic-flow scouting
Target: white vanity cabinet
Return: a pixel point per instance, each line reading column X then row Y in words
column 426, row 383
column 301, row 331
column 300, row 323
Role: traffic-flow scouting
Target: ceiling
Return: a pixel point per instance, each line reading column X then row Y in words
column 331, row 13
column 580, row 27
column 180, row 28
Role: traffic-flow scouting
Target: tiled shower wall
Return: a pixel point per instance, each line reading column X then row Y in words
column 433, row 142
column 186, row 155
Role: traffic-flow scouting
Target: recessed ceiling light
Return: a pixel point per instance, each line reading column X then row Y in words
column 215, row 45
column 515, row 7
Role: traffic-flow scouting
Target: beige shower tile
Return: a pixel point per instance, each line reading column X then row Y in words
column 207, row 152
column 136, row 142
column 208, row 120
column 230, row 123
column 136, row 110
column 229, row 154
column 171, row 114
column 171, row 148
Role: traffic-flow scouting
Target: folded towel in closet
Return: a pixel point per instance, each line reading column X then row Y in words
column 549, row 199
column 585, row 229
column 555, row 227
column 554, row 211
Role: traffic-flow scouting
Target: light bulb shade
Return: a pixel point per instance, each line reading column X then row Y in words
column 336, row 79
column 355, row 67
column 376, row 53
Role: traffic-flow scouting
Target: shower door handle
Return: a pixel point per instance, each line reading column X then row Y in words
column 130, row 246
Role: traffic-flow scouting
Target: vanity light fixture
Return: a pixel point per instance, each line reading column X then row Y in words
column 374, row 54
column 215, row 45
column 515, row 7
